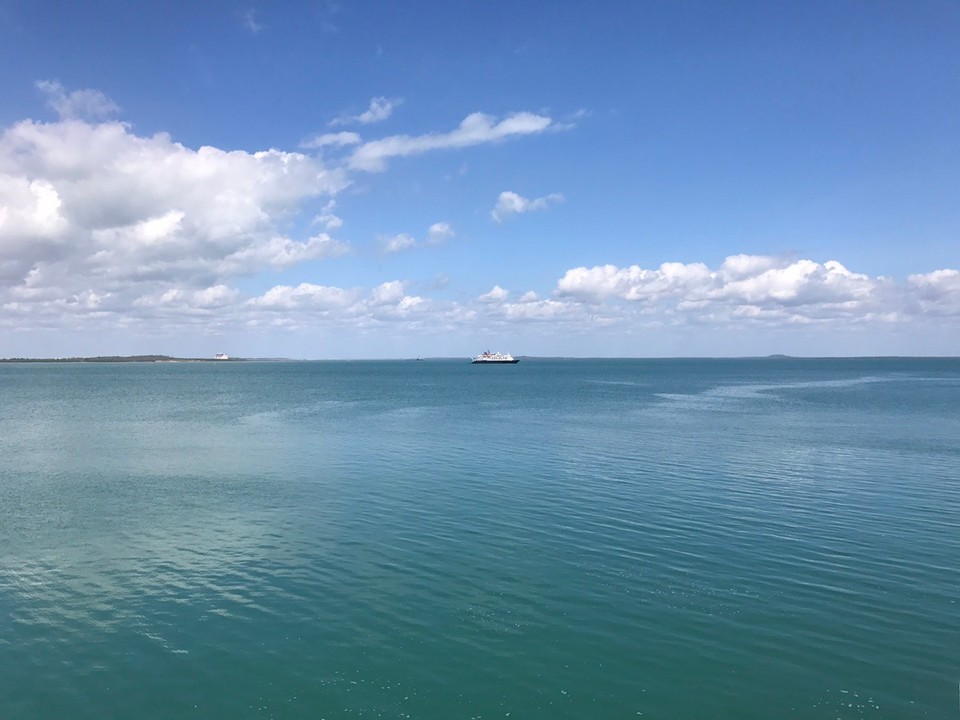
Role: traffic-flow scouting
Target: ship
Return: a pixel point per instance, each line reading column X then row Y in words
column 489, row 358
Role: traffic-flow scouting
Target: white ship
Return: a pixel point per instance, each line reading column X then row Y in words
column 489, row 358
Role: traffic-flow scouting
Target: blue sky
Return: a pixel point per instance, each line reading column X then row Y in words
column 361, row 179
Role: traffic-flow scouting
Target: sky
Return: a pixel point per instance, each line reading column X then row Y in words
column 391, row 180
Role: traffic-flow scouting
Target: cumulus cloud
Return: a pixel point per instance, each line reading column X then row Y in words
column 475, row 129
column 634, row 282
column 510, row 203
column 387, row 293
column 743, row 286
column 97, row 221
column 439, row 233
column 380, row 109
column 308, row 303
column 497, row 294
column 86, row 104
column 305, row 296
column 94, row 210
column 389, row 302
column 586, row 299
column 496, row 307
column 936, row 293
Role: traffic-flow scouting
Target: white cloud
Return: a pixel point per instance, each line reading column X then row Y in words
column 327, row 217
column 799, row 283
column 744, row 287
column 250, row 22
column 305, row 296
column 740, row 266
column 437, row 234
column 936, row 293
column 331, row 139
column 87, row 104
column 495, row 308
column 31, row 212
column 570, row 121
column 308, row 304
column 380, row 109
column 475, row 129
column 387, row 293
column 217, row 296
column 510, row 203
column 937, row 284
column 281, row 252
column 94, row 208
column 496, row 295
column 389, row 302
column 398, row 243
column 542, row 311
column 629, row 300
column 104, row 229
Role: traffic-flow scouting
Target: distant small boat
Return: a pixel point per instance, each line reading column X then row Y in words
column 489, row 358
column 221, row 356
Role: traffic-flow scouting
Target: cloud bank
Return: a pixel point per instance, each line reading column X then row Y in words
column 102, row 228
column 750, row 287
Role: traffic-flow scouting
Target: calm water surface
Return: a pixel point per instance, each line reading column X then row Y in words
column 556, row 539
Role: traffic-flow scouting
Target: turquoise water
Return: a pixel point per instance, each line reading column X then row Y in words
column 555, row 539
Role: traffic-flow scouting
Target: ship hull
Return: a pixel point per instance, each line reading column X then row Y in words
column 514, row 361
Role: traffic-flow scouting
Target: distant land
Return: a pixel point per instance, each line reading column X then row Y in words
column 172, row 359
column 117, row 358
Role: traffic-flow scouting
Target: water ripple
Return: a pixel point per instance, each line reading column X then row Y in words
column 735, row 539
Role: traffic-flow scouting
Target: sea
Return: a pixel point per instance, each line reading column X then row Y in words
column 692, row 538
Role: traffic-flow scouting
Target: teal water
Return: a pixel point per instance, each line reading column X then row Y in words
column 555, row 539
